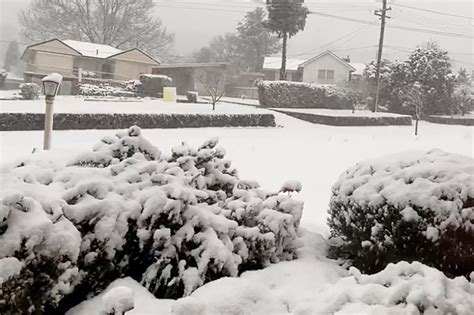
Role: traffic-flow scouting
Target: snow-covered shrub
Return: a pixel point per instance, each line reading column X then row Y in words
column 30, row 91
column 410, row 206
column 173, row 223
column 132, row 86
column 284, row 94
column 153, row 84
column 39, row 249
column 104, row 90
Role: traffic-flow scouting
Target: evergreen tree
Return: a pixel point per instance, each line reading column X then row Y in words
column 12, row 56
column 256, row 41
column 429, row 65
column 286, row 18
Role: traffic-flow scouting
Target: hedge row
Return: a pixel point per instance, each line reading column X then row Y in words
column 350, row 121
column 283, row 94
column 465, row 121
column 63, row 121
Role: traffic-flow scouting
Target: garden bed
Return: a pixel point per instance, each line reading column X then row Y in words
column 71, row 121
column 346, row 117
column 467, row 120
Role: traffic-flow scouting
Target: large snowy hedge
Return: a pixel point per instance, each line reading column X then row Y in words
column 284, row 94
column 410, row 206
column 172, row 223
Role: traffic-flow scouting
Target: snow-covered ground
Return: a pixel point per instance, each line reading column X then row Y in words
column 314, row 154
column 72, row 104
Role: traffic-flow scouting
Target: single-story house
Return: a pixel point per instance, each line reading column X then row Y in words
column 77, row 61
column 325, row 68
column 187, row 76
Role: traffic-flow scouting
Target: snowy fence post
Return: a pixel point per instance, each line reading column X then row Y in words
column 51, row 85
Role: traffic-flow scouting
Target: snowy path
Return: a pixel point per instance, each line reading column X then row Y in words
column 314, row 154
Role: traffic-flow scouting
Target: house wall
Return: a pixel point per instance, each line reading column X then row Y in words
column 326, row 62
column 128, row 70
column 46, row 62
column 274, row 75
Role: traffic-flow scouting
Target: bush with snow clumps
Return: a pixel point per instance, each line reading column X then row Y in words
column 172, row 223
column 410, row 206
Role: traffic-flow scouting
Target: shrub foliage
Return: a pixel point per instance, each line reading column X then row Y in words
column 413, row 207
column 173, row 223
column 284, row 94
column 30, row 91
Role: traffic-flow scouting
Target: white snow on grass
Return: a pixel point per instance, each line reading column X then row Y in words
column 338, row 112
column 314, row 154
column 76, row 104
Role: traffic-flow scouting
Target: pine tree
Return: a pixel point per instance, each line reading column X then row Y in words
column 286, row 18
column 12, row 56
column 255, row 40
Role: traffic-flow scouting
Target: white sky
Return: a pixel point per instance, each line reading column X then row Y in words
column 195, row 22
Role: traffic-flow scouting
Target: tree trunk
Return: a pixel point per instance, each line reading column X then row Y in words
column 283, row 57
column 416, row 125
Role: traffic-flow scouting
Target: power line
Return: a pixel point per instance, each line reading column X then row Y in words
column 433, row 11
column 401, row 27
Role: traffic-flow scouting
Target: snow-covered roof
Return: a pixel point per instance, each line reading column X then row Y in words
column 91, row 49
column 274, row 63
column 359, row 67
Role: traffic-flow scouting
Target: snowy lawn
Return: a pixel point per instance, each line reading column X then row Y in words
column 76, row 104
column 9, row 95
column 314, row 154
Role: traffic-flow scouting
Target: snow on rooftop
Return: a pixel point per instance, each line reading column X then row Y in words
column 92, row 50
column 274, row 63
column 359, row 66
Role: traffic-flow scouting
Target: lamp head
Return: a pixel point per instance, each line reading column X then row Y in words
column 51, row 84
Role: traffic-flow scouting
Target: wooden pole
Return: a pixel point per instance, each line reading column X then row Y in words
column 48, row 122
column 383, row 15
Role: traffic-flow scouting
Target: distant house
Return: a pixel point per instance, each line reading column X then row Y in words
column 97, row 62
column 325, row 68
column 187, row 76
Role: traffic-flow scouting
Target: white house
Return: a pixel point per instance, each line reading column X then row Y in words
column 325, row 68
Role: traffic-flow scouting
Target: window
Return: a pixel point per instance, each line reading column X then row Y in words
column 325, row 76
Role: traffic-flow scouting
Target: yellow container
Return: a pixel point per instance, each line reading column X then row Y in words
column 169, row 94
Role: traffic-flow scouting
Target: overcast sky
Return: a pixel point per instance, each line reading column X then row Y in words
column 195, row 22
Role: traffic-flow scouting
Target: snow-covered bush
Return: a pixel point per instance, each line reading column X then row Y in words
column 104, row 90
column 172, row 223
column 410, row 206
column 39, row 249
column 153, row 84
column 30, row 91
column 284, row 94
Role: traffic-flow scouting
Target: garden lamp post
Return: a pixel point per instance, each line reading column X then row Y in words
column 51, row 85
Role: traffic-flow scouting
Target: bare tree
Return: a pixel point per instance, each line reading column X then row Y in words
column 214, row 82
column 414, row 102
column 119, row 23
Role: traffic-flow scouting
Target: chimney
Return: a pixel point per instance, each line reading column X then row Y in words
column 347, row 59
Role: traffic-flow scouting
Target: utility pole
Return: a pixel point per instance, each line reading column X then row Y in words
column 383, row 15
